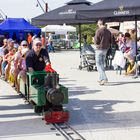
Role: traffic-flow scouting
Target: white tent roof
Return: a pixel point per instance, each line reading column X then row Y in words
column 61, row 29
column 129, row 25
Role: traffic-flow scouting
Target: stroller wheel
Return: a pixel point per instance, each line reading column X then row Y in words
column 89, row 68
column 95, row 68
column 80, row 67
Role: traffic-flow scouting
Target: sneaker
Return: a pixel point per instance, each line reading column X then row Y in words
column 103, row 82
column 2, row 77
column 99, row 81
column 135, row 76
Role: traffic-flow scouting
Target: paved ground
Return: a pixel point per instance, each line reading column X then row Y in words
column 108, row 112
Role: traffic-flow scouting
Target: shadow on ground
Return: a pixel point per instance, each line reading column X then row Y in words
column 122, row 83
column 84, row 114
column 98, row 114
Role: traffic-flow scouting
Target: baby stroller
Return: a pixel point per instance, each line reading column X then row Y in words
column 87, row 58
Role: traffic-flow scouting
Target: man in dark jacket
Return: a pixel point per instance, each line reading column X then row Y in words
column 37, row 58
column 102, row 42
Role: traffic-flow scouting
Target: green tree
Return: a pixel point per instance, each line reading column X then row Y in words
column 88, row 29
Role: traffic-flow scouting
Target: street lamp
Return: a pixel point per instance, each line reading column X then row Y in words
column 39, row 4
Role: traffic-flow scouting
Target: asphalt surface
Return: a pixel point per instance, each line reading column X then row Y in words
column 109, row 112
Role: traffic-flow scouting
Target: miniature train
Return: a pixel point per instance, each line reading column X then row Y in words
column 47, row 95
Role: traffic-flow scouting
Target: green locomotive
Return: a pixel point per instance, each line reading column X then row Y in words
column 48, row 96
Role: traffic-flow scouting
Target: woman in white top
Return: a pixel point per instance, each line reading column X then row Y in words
column 130, row 52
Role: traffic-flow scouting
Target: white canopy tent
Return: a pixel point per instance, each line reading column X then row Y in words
column 124, row 26
column 58, row 29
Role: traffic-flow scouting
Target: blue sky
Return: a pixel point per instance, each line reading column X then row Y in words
column 27, row 8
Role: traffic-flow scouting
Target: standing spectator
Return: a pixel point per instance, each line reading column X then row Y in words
column 102, row 42
column 43, row 40
column 50, row 44
column 67, row 41
column 29, row 39
column 21, row 37
column 14, row 37
column 85, row 38
column 46, row 43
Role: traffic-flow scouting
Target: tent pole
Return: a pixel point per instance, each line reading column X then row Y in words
column 45, row 40
column 136, row 74
column 136, row 35
column 80, row 35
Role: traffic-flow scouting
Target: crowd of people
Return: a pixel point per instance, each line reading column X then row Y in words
column 17, row 59
column 31, row 54
column 125, row 43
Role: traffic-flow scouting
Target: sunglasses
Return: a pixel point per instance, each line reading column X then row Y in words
column 24, row 45
column 38, row 44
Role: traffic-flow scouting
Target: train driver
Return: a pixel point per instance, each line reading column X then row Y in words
column 37, row 58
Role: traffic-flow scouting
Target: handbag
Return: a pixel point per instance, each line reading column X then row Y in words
column 119, row 59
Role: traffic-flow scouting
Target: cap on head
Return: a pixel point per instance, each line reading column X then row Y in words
column 37, row 40
column 24, row 42
column 10, row 40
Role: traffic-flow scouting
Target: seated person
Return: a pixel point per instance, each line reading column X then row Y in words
column 18, row 57
column 133, row 70
column 37, row 57
column 2, row 50
column 9, row 57
column 22, row 68
column 130, row 53
column 138, row 43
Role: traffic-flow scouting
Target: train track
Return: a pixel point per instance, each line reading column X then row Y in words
column 67, row 132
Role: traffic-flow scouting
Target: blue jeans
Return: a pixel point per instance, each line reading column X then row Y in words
column 50, row 48
column 100, row 56
column 3, row 65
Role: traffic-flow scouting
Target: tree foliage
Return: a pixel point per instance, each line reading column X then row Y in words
column 89, row 30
